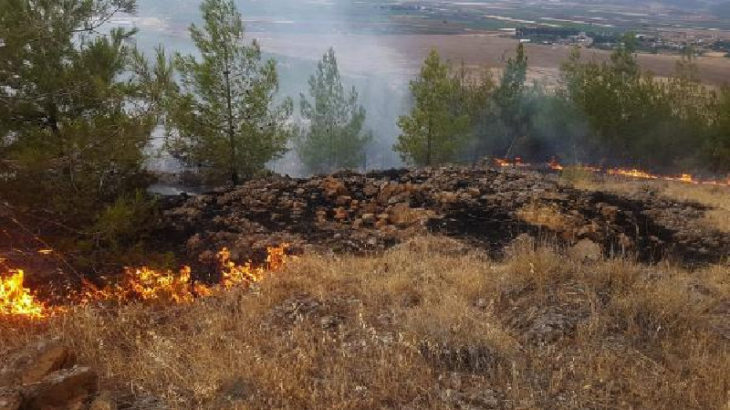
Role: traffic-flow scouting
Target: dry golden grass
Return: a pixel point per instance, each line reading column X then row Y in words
column 715, row 197
column 429, row 324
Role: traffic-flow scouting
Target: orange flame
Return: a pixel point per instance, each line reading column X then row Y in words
column 234, row 275
column 145, row 285
column 18, row 300
column 506, row 162
column 555, row 165
column 502, row 162
column 636, row 173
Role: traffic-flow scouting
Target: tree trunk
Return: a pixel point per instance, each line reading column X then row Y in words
column 428, row 143
column 231, row 130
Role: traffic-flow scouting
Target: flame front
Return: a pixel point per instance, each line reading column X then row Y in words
column 624, row 172
column 149, row 285
column 18, row 300
column 144, row 285
column 507, row 162
column 555, row 165
column 633, row 173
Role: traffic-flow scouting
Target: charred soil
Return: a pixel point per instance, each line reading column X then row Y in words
column 485, row 207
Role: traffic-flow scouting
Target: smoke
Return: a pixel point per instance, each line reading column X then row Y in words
column 297, row 33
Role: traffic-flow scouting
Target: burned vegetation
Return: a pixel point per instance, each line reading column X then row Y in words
column 485, row 207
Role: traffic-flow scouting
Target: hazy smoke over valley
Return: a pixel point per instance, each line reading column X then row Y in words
column 380, row 46
column 297, row 33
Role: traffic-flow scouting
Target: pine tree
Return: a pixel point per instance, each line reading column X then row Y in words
column 624, row 107
column 75, row 108
column 334, row 138
column 433, row 133
column 224, row 118
column 509, row 98
column 716, row 149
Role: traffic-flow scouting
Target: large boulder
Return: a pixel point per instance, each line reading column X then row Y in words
column 61, row 389
column 33, row 363
column 44, row 375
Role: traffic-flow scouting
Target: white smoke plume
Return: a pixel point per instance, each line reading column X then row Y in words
column 297, row 33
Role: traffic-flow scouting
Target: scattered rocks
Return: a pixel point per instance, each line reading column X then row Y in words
column 550, row 327
column 296, row 308
column 35, row 362
column 464, row 358
column 45, row 376
column 350, row 212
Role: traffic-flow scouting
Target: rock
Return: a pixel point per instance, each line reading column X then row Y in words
column 333, row 187
column 321, row 216
column 33, row 363
column 368, row 219
column 608, row 211
column 60, row 389
column 388, row 191
column 480, row 206
column 586, row 250
column 341, row 214
column 447, row 197
column 481, row 303
column 370, row 190
column 403, row 215
column 10, row 399
column 550, row 326
column 53, row 358
column 43, row 376
column 343, row 200
column 330, row 322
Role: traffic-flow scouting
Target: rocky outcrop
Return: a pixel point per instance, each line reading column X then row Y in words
column 350, row 212
column 45, row 376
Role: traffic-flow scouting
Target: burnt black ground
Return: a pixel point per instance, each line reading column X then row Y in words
column 364, row 213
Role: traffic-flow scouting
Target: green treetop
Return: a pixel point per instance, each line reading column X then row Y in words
column 224, row 118
column 509, row 98
column 433, row 132
column 334, row 138
column 75, row 108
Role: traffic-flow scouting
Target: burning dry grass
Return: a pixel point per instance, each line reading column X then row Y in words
column 428, row 324
column 15, row 299
column 715, row 197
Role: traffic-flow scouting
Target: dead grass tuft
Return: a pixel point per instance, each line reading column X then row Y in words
column 428, row 324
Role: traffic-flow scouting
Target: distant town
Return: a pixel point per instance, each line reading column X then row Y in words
column 658, row 27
